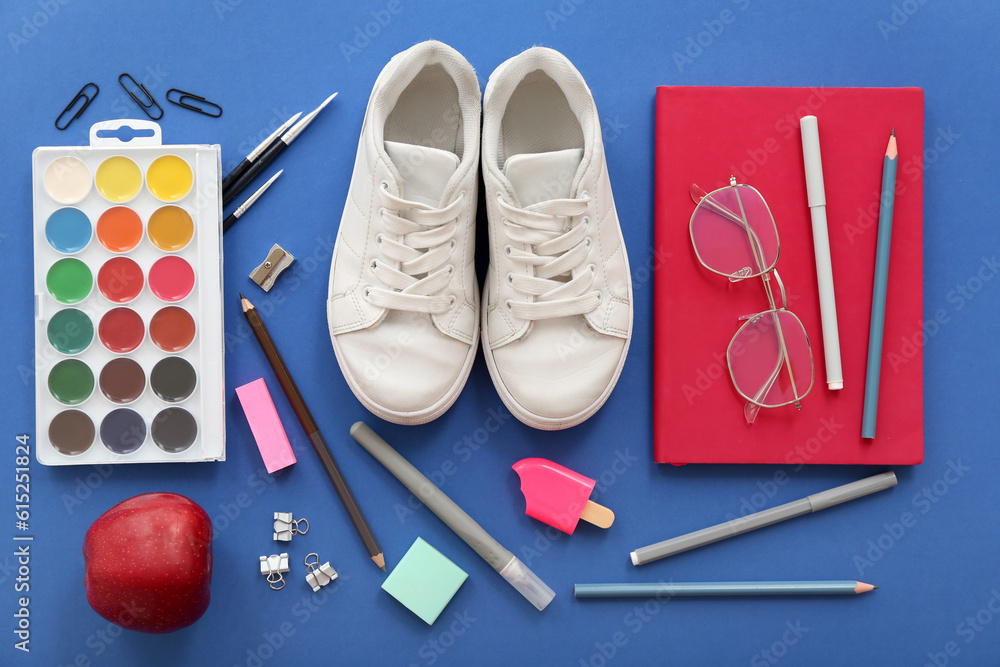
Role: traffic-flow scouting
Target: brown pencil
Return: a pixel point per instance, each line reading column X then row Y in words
column 312, row 431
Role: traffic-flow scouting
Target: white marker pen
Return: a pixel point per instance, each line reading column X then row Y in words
column 821, row 245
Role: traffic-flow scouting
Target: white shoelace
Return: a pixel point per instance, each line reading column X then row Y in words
column 554, row 253
column 422, row 244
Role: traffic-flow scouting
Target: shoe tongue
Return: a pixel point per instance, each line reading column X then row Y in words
column 538, row 177
column 425, row 171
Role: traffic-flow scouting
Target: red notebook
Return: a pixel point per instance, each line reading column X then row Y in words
column 704, row 135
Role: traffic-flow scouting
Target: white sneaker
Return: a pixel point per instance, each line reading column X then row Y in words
column 557, row 304
column 403, row 303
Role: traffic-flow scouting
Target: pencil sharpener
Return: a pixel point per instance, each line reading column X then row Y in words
column 278, row 259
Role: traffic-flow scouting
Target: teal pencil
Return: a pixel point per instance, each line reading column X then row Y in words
column 879, row 290
column 721, row 588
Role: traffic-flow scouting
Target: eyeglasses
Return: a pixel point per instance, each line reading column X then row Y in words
column 770, row 359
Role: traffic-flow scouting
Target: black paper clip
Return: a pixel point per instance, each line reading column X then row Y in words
column 182, row 98
column 143, row 105
column 83, row 94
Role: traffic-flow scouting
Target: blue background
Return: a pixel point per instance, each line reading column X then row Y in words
column 263, row 62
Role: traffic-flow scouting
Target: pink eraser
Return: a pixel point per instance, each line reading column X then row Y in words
column 553, row 494
column 267, row 429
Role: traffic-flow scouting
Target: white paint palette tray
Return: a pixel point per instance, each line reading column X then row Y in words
column 128, row 299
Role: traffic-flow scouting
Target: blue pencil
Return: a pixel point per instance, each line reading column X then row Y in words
column 720, row 588
column 879, row 290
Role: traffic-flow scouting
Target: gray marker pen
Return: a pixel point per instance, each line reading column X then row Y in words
column 500, row 559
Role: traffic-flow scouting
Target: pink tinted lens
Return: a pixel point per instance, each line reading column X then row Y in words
column 733, row 232
column 765, row 371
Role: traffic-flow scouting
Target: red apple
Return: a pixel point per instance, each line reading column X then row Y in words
column 148, row 563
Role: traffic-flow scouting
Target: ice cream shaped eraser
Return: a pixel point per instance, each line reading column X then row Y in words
column 558, row 496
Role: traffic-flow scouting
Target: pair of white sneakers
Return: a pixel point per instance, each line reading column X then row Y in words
column 404, row 308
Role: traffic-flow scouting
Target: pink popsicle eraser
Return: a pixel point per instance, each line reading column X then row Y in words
column 266, row 426
column 558, row 496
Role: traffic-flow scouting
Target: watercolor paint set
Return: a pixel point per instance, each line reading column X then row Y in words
column 128, row 299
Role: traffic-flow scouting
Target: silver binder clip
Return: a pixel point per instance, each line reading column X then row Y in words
column 273, row 567
column 285, row 527
column 278, row 259
column 319, row 575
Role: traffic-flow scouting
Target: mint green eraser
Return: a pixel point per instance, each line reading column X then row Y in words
column 424, row 581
